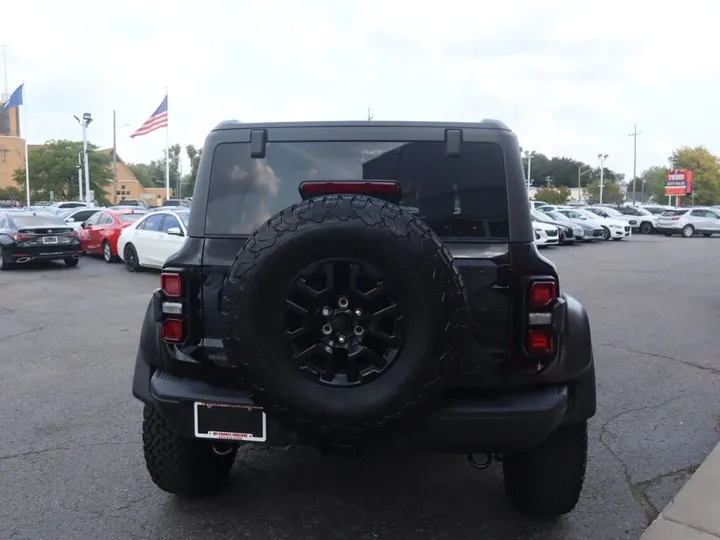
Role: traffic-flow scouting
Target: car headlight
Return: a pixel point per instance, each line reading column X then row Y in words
column 616, row 226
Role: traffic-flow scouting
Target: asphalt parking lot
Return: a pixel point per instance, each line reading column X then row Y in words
column 71, row 461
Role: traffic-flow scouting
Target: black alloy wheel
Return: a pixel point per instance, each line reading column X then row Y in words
column 131, row 258
column 343, row 323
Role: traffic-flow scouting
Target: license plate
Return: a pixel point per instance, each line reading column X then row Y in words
column 50, row 240
column 230, row 422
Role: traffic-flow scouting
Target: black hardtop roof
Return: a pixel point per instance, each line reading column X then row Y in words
column 483, row 124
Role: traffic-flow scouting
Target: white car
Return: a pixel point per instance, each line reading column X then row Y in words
column 545, row 234
column 689, row 221
column 75, row 217
column 152, row 239
column 612, row 228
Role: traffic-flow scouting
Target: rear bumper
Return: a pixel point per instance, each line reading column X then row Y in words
column 47, row 253
column 510, row 422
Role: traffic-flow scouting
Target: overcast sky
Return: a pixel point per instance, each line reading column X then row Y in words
column 570, row 78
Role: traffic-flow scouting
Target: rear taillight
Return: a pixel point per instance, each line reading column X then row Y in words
column 19, row 237
column 171, row 284
column 542, row 294
column 675, row 218
column 541, row 300
column 540, row 342
column 173, row 330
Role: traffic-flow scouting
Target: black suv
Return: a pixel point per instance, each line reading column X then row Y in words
column 347, row 285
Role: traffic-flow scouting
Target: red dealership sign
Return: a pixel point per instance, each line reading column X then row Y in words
column 678, row 182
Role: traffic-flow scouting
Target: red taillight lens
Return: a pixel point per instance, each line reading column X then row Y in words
column 171, row 284
column 540, row 342
column 382, row 189
column 22, row 237
column 675, row 219
column 173, row 330
column 542, row 294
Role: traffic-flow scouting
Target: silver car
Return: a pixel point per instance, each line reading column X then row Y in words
column 689, row 221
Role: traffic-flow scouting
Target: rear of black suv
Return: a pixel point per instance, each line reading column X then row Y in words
column 357, row 284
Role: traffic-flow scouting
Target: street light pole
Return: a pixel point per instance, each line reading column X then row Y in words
column 634, row 135
column 114, row 161
column 529, row 156
column 602, row 158
column 581, row 173
column 85, row 122
column 80, row 175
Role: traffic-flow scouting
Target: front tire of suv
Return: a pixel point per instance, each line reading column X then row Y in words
column 546, row 482
column 186, row 467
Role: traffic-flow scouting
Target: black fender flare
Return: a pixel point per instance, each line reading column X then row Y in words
column 576, row 351
column 151, row 355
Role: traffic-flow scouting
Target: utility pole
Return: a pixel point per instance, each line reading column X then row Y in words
column 370, row 116
column 5, row 94
column 114, row 163
column 634, row 135
column 581, row 173
column 602, row 158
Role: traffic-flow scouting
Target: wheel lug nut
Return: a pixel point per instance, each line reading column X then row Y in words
column 343, row 303
column 326, row 311
column 359, row 331
column 341, row 339
column 358, row 312
column 327, row 329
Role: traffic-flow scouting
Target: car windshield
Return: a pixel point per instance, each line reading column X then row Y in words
column 539, row 215
column 612, row 212
column 557, row 215
column 457, row 196
column 185, row 216
column 130, row 218
column 39, row 220
column 65, row 213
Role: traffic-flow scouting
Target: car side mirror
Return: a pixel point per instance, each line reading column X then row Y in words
column 70, row 220
column 175, row 231
column 83, row 225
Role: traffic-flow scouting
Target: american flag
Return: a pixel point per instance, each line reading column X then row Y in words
column 158, row 119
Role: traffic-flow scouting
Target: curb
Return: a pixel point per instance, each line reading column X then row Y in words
column 694, row 513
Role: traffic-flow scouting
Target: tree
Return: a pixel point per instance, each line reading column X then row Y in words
column 193, row 155
column 559, row 195
column 563, row 171
column 705, row 167
column 612, row 192
column 652, row 182
column 53, row 167
column 11, row 194
column 143, row 174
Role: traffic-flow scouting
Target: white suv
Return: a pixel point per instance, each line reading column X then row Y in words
column 689, row 221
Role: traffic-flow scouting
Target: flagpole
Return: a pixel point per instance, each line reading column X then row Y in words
column 27, row 161
column 167, row 150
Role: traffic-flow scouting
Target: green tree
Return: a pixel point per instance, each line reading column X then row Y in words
column 193, row 155
column 612, row 192
column 143, row 174
column 652, row 183
column 12, row 193
column 54, row 168
column 563, row 171
column 559, row 195
column 705, row 167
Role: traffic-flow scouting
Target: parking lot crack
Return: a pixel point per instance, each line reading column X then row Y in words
column 714, row 371
column 63, row 448
column 26, row 332
column 638, row 490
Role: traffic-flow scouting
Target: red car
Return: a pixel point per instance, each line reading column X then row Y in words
column 99, row 234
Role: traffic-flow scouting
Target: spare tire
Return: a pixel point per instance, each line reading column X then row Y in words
column 343, row 314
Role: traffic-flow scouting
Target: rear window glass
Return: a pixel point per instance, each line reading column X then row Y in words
column 674, row 212
column 461, row 196
column 130, row 218
column 43, row 220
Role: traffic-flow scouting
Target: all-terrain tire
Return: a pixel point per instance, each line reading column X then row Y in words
column 546, row 482
column 414, row 263
column 186, row 467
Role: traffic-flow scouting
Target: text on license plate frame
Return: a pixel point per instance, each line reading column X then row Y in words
column 50, row 239
column 242, row 414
